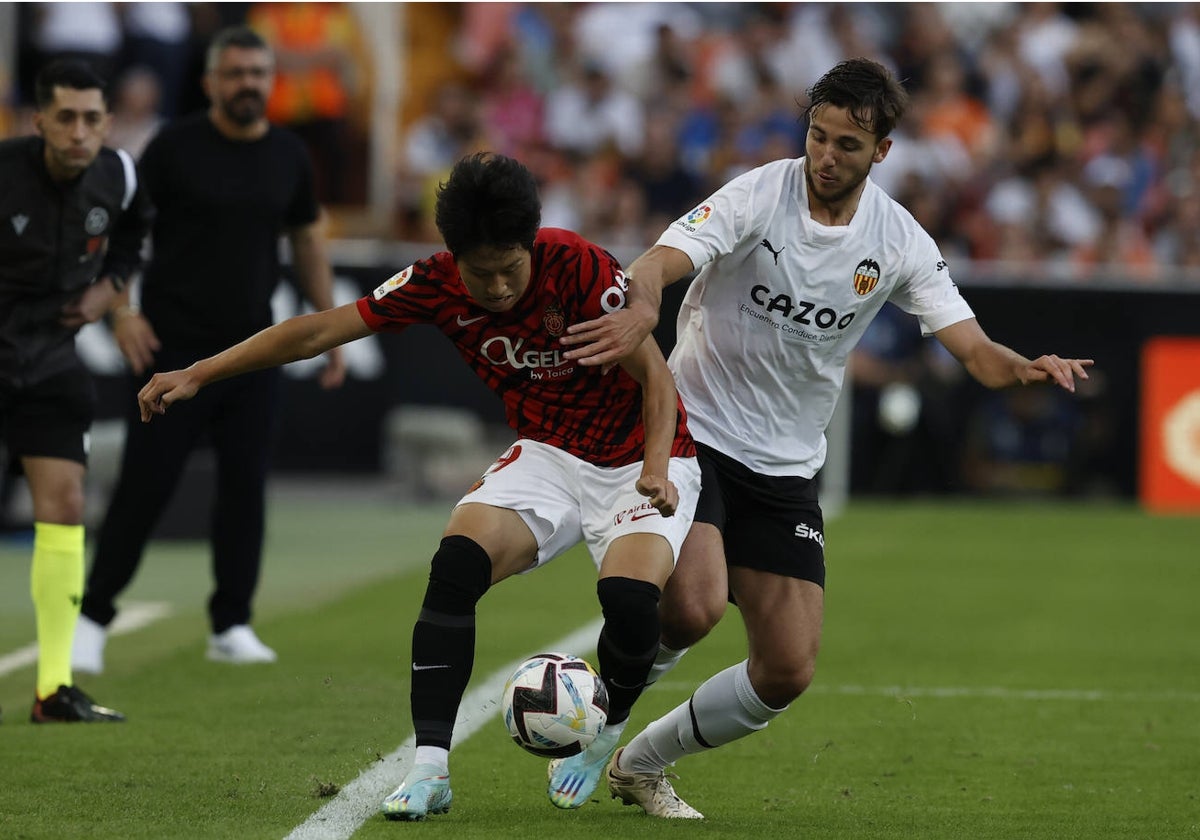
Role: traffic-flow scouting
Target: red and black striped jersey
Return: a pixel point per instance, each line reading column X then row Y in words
column 594, row 416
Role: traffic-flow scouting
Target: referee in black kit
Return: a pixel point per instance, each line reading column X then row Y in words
column 72, row 221
column 226, row 184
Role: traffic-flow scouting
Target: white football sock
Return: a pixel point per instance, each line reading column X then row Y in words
column 607, row 739
column 614, row 730
column 439, row 757
column 723, row 709
column 666, row 659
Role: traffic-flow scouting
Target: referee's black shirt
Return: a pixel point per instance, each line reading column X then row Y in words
column 56, row 239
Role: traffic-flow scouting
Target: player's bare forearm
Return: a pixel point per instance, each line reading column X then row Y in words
column 268, row 348
column 659, row 413
column 997, row 366
column 659, row 419
column 302, row 337
column 605, row 340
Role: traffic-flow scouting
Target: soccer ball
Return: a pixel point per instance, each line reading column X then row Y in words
column 554, row 705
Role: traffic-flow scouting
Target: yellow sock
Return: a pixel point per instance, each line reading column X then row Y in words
column 56, row 584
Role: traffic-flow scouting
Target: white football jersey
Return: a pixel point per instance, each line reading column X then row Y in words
column 765, row 330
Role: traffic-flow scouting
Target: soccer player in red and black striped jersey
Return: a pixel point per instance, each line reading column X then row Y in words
column 601, row 456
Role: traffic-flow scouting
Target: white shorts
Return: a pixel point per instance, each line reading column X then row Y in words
column 564, row 499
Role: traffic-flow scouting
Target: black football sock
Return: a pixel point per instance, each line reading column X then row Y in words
column 628, row 641
column 443, row 641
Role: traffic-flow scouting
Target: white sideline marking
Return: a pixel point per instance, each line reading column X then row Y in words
column 133, row 617
column 359, row 801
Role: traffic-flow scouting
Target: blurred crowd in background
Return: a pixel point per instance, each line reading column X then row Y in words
column 1043, row 140
column 1037, row 132
column 1058, row 133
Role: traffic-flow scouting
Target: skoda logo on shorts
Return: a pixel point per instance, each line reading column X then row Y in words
column 96, row 221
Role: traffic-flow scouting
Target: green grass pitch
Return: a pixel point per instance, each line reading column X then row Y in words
column 988, row 671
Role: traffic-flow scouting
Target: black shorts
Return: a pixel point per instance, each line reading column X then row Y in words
column 50, row 419
column 770, row 523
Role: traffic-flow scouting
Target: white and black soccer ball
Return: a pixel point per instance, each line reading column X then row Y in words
column 554, row 705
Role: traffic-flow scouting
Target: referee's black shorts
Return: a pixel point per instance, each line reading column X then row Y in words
column 770, row 523
column 50, row 419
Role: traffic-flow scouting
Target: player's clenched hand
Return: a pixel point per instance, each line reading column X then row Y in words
column 1062, row 371
column 162, row 390
column 607, row 339
column 661, row 492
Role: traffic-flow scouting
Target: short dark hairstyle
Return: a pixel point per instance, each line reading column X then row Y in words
column 69, row 73
column 233, row 36
column 488, row 200
column 868, row 90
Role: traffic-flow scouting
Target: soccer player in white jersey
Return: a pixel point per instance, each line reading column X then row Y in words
column 796, row 257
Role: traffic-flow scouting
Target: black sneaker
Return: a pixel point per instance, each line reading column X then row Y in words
column 70, row 705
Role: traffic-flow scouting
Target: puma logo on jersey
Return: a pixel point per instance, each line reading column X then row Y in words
column 766, row 243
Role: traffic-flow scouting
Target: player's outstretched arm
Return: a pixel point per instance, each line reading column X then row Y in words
column 659, row 417
column 605, row 340
column 997, row 366
column 302, row 337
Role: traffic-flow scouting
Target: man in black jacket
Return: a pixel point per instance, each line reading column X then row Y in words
column 72, row 220
column 226, row 184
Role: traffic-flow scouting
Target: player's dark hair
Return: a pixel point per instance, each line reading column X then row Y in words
column 488, row 200
column 67, row 73
column 232, row 36
column 867, row 90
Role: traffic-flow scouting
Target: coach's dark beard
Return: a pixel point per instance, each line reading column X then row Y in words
column 245, row 109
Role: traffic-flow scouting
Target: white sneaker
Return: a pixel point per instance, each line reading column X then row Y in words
column 238, row 646
column 87, row 649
